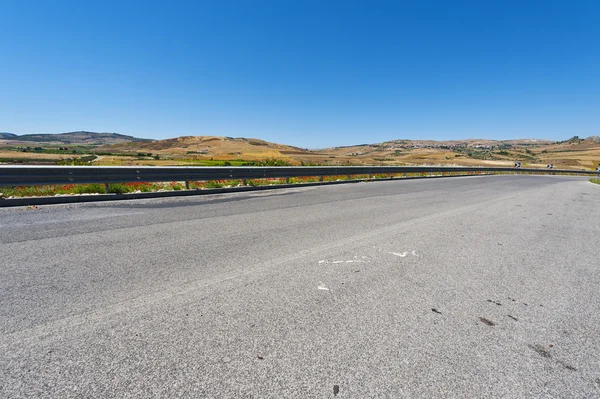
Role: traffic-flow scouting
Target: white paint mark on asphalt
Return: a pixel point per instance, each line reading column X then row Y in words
column 403, row 254
column 323, row 287
column 336, row 262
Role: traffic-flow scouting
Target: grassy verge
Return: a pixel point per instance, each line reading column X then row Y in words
column 122, row 188
column 597, row 181
column 215, row 184
column 74, row 189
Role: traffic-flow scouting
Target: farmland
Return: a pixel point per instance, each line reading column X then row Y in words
column 574, row 153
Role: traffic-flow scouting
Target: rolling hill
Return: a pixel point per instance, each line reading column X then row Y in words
column 81, row 137
column 118, row 149
column 574, row 153
column 216, row 147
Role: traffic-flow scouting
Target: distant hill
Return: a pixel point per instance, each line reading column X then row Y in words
column 572, row 153
column 594, row 139
column 81, row 137
column 118, row 149
column 212, row 146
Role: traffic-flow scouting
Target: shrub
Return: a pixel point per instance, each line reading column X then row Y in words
column 214, row 184
column 273, row 162
column 89, row 189
column 118, row 188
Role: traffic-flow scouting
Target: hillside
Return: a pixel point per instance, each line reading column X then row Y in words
column 117, row 149
column 81, row 137
column 574, row 153
column 216, row 147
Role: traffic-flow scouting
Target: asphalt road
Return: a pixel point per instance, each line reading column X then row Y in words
column 459, row 288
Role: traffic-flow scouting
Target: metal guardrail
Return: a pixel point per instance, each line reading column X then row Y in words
column 11, row 176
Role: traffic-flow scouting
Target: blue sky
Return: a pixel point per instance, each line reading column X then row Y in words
column 306, row 73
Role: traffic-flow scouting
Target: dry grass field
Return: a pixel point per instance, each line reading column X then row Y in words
column 215, row 146
column 31, row 155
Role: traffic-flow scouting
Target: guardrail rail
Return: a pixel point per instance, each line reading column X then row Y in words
column 12, row 176
column 18, row 176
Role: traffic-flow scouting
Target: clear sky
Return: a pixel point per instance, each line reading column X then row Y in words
column 307, row 73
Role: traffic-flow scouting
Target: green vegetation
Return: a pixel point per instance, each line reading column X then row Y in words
column 86, row 160
column 115, row 154
column 89, row 188
column 597, row 181
column 66, row 149
column 265, row 182
column 42, row 191
column 118, row 188
column 476, row 154
column 237, row 162
column 308, row 163
column 216, row 184
column 122, row 188
column 28, row 160
column 212, row 162
column 271, row 162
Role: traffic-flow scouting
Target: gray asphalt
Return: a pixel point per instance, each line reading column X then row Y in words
column 458, row 288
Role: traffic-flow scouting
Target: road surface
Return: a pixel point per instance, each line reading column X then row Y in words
column 458, row 288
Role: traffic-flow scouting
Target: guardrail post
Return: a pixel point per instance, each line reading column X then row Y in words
column 349, row 177
column 187, row 185
column 106, row 188
column 244, row 182
column 287, row 180
column 320, row 178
